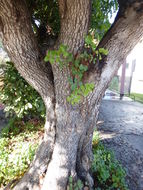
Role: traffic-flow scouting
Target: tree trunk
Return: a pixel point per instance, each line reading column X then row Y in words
column 72, row 153
column 67, row 151
column 67, row 145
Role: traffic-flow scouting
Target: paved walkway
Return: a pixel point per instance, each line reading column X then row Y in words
column 121, row 129
column 112, row 95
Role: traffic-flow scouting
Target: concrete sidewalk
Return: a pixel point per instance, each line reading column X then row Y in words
column 111, row 95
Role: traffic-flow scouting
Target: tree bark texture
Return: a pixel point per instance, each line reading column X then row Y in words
column 67, row 145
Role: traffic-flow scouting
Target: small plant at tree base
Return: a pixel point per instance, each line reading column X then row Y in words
column 78, row 185
column 79, row 65
column 108, row 173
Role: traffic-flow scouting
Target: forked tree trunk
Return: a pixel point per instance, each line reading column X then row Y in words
column 67, row 145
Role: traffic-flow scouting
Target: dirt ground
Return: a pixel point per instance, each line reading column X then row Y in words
column 121, row 129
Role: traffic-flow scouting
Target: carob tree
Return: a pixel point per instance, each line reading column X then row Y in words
column 27, row 29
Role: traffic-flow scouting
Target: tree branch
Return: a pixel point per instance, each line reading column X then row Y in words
column 123, row 35
column 75, row 16
column 22, row 48
column 75, row 20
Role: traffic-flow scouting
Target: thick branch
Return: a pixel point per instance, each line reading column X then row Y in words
column 74, row 22
column 21, row 46
column 124, row 34
column 75, row 16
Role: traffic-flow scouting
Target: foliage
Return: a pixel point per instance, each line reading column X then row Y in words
column 108, row 173
column 45, row 16
column 101, row 12
column 79, row 65
column 78, row 185
column 18, row 96
column 17, row 148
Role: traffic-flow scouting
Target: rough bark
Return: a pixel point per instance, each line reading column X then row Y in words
column 67, row 145
column 70, row 122
column 72, row 153
column 74, row 23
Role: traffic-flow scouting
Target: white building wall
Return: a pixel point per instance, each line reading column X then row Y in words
column 137, row 80
column 137, row 75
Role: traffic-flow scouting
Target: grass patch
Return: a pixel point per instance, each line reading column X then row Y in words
column 137, row 97
column 18, row 143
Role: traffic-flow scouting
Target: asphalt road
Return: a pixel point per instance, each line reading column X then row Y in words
column 121, row 129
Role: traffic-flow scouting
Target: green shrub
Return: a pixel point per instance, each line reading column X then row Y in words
column 19, row 97
column 108, row 173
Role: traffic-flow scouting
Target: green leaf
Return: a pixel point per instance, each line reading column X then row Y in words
column 88, row 39
column 83, row 67
column 76, row 63
column 79, row 184
column 70, row 179
column 103, row 51
column 63, row 48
